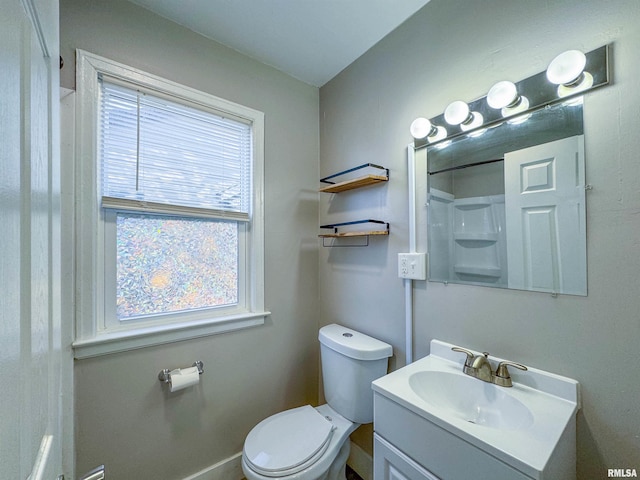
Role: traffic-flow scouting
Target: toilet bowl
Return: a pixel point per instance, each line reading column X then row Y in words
column 303, row 443
column 307, row 443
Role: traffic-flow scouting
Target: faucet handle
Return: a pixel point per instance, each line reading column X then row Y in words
column 502, row 376
column 470, row 355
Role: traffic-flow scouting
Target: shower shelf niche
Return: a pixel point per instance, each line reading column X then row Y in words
column 477, row 248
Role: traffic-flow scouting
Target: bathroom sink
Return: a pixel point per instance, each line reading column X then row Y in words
column 529, row 427
column 471, row 400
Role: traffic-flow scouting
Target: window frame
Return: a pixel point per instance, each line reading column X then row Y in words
column 95, row 335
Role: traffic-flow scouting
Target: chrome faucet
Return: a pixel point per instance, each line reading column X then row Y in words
column 482, row 367
column 478, row 366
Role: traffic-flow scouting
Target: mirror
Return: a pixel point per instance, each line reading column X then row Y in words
column 506, row 205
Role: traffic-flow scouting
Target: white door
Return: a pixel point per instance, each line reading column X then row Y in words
column 30, row 339
column 545, row 221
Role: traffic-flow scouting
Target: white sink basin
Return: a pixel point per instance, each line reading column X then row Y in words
column 530, row 426
column 471, row 400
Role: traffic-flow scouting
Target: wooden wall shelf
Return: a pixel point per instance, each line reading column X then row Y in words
column 350, row 184
column 368, row 178
column 354, row 183
column 354, row 233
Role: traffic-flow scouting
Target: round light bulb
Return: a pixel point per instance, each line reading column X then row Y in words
column 476, row 121
column 585, row 83
column 502, row 94
column 567, row 67
column 439, row 134
column 520, row 107
column 420, row 128
column 456, row 113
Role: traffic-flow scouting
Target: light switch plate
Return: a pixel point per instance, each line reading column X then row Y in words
column 412, row 265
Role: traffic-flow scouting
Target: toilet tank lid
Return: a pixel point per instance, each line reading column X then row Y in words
column 353, row 344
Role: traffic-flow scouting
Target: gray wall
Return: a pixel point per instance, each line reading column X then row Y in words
column 457, row 49
column 123, row 418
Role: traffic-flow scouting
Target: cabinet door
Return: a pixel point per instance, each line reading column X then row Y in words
column 389, row 463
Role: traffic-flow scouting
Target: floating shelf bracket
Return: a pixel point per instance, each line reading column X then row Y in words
column 353, row 233
column 368, row 179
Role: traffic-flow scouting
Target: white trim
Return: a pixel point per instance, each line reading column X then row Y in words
column 121, row 341
column 90, row 65
column 231, row 468
column 91, row 337
column 163, row 208
column 228, row 469
column 67, row 143
column 361, row 462
column 32, row 13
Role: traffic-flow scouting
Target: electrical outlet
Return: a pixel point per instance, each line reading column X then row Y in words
column 412, row 265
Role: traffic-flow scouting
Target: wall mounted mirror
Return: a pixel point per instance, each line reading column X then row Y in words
column 506, row 206
column 506, row 181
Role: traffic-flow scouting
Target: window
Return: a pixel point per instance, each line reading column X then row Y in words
column 169, row 264
column 168, row 212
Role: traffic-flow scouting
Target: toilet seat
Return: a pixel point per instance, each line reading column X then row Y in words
column 288, row 442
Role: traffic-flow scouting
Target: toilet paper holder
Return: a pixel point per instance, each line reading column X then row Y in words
column 165, row 374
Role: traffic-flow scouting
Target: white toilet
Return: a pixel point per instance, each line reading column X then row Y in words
column 308, row 443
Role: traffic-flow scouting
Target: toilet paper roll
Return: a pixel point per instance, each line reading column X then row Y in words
column 182, row 378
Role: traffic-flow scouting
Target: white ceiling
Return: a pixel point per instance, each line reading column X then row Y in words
column 311, row 40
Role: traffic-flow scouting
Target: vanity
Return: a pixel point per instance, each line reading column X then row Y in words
column 434, row 422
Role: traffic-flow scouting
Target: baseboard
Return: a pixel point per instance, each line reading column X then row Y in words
column 231, row 468
column 228, row 469
column 361, row 462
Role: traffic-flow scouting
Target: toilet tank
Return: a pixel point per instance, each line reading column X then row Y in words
column 350, row 362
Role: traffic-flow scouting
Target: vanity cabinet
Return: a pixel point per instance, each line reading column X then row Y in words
column 389, row 463
column 410, row 447
column 432, row 420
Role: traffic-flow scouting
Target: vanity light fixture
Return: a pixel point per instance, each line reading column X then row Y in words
column 565, row 79
column 421, row 129
column 567, row 71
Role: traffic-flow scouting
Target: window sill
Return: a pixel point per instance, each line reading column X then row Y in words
column 122, row 341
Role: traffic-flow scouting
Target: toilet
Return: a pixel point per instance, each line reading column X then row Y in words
column 312, row 443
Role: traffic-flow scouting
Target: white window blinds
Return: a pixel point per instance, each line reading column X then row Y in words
column 167, row 157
